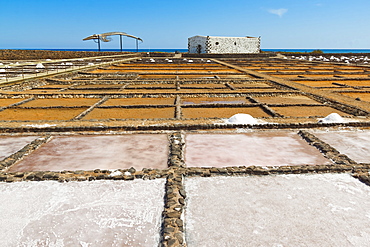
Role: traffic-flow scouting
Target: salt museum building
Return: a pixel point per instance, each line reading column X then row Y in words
column 212, row 44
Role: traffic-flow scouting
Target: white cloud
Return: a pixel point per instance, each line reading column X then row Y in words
column 279, row 12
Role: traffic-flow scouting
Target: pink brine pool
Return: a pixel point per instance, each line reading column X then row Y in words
column 250, row 149
column 103, row 152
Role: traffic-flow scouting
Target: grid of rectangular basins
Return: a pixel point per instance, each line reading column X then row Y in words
column 162, row 106
column 348, row 80
column 174, row 89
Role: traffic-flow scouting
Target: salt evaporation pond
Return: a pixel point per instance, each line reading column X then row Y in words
column 103, row 152
column 355, row 144
column 250, row 149
column 286, row 210
column 10, row 145
column 97, row 213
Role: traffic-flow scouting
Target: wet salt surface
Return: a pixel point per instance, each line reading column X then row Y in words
column 98, row 213
column 250, row 149
column 10, row 145
column 103, row 152
column 355, row 144
column 287, row 210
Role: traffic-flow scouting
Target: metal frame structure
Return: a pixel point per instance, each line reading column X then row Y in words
column 105, row 38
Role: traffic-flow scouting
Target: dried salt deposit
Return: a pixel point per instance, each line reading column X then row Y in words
column 40, row 66
column 332, row 118
column 99, row 213
column 10, row 145
column 355, row 144
column 287, row 210
column 242, row 118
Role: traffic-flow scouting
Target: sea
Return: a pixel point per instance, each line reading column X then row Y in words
column 186, row 50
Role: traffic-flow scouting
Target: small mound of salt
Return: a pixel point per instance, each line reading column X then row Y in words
column 40, row 66
column 115, row 173
column 332, row 118
column 242, row 118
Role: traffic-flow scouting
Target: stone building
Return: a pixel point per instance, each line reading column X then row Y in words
column 211, row 44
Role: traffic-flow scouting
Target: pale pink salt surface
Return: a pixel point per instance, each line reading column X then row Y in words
column 103, row 152
column 355, row 144
column 97, row 213
column 10, row 145
column 286, row 210
column 250, row 149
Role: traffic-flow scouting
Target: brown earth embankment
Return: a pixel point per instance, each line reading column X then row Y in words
column 48, row 54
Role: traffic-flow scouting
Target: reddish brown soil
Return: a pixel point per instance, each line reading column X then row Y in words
column 222, row 112
column 7, row 102
column 61, row 102
column 150, row 86
column 136, row 113
column 118, row 86
column 306, row 111
column 294, row 99
column 209, row 100
column 319, row 83
column 40, row 114
column 208, row 85
column 362, row 96
column 139, row 101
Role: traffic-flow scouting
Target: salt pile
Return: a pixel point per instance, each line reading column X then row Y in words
column 242, row 118
column 332, row 118
column 40, row 66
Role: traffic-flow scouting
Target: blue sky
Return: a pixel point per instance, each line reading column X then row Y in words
column 168, row 24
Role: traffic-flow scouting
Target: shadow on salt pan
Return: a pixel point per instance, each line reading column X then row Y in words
column 96, row 213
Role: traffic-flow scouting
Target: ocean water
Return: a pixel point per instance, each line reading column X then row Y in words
column 186, row 50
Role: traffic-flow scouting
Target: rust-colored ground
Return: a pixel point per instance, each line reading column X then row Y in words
column 222, row 112
column 294, row 99
column 40, row 114
column 7, row 102
column 133, row 113
column 305, row 111
column 139, row 101
column 60, row 102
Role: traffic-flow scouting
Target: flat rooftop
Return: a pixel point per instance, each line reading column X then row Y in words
column 158, row 149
